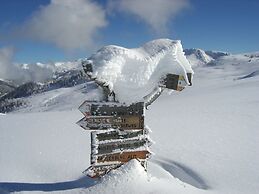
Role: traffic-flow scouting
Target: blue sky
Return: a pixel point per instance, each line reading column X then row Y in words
column 230, row 25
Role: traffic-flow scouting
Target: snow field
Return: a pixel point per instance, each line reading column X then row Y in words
column 206, row 139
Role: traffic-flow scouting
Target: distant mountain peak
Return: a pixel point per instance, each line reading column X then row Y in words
column 198, row 56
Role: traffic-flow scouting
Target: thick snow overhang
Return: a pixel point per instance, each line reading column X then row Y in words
column 134, row 73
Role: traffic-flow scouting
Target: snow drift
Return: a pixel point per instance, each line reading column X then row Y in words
column 133, row 73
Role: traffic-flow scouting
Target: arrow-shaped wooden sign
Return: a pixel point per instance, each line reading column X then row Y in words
column 121, row 157
column 109, row 143
column 99, row 170
column 126, row 122
column 111, row 109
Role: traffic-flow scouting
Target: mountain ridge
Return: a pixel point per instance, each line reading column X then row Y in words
column 13, row 96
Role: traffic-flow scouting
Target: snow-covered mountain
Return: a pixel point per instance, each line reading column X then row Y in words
column 16, row 96
column 206, row 137
column 35, row 72
column 6, row 87
column 198, row 57
column 201, row 57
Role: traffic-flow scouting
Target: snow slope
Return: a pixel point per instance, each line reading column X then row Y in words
column 206, row 139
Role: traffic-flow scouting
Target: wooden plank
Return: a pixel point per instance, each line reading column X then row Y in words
column 111, row 109
column 97, row 171
column 126, row 122
column 171, row 81
column 122, row 157
column 117, row 135
column 120, row 146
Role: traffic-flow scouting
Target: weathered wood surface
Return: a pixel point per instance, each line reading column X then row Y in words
column 112, row 135
column 111, row 109
column 175, row 82
column 126, row 122
column 120, row 146
column 121, row 157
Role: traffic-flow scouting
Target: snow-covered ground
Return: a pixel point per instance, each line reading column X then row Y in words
column 206, row 139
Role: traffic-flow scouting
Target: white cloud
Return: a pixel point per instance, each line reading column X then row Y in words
column 69, row 24
column 22, row 73
column 156, row 13
column 6, row 55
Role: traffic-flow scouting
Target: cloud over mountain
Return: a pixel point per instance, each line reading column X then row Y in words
column 21, row 73
column 6, row 54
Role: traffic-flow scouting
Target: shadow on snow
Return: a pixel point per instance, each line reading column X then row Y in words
column 83, row 182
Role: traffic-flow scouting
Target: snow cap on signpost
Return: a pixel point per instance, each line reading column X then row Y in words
column 134, row 73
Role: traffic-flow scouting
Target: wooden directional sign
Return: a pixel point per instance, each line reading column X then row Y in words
column 105, row 146
column 120, row 146
column 122, row 157
column 112, row 148
column 175, row 82
column 99, row 170
column 105, row 122
column 115, row 135
column 111, row 109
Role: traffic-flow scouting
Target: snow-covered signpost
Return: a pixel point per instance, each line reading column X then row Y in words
column 118, row 134
column 131, row 80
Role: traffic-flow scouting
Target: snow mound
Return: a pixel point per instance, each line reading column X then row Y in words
column 132, row 178
column 133, row 73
